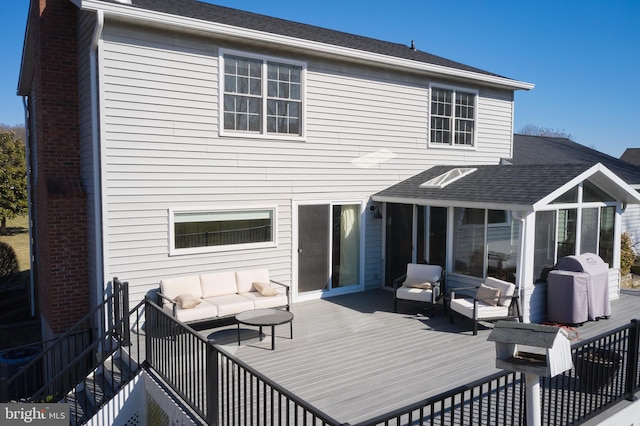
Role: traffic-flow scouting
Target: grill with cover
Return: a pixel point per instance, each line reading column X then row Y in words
column 578, row 290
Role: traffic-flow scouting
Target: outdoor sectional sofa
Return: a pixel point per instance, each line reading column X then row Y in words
column 195, row 298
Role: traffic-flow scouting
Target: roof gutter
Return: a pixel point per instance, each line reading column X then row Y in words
column 118, row 11
column 451, row 203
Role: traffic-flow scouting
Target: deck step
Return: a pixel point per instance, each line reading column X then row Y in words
column 99, row 387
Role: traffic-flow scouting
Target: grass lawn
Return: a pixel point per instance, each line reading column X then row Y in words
column 18, row 238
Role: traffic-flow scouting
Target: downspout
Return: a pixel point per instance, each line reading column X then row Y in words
column 27, row 142
column 97, row 169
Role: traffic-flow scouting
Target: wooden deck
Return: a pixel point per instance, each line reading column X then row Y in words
column 353, row 358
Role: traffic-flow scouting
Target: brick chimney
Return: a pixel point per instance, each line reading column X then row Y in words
column 59, row 201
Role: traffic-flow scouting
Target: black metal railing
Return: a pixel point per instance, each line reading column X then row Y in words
column 65, row 361
column 224, row 390
column 496, row 400
column 221, row 389
column 605, row 372
column 109, row 374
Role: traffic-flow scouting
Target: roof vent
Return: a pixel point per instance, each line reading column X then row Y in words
column 413, row 46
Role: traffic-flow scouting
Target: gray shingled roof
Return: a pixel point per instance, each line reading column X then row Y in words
column 552, row 150
column 224, row 15
column 631, row 156
column 522, row 185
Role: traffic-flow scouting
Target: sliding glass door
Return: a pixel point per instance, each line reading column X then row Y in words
column 328, row 247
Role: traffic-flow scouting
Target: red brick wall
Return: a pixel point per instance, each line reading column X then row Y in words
column 59, row 197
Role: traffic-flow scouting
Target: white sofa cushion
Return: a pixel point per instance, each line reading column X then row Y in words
column 261, row 302
column 218, row 284
column 200, row 312
column 245, row 279
column 174, row 287
column 231, row 304
column 464, row 306
column 506, row 290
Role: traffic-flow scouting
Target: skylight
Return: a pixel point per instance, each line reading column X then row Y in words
column 446, row 178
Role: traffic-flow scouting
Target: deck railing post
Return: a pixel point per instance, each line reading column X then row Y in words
column 632, row 365
column 149, row 322
column 212, row 386
column 126, row 325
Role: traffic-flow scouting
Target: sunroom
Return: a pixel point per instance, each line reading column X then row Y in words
column 512, row 222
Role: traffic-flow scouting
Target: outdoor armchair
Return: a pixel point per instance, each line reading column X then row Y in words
column 422, row 283
column 491, row 301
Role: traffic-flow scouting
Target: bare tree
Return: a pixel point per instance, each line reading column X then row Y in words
column 535, row 130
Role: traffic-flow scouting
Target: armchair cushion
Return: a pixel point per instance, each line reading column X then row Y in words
column 423, row 286
column 464, row 306
column 507, row 290
column 488, row 295
column 415, row 294
column 420, row 273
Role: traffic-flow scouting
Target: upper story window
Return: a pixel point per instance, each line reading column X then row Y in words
column 453, row 116
column 262, row 96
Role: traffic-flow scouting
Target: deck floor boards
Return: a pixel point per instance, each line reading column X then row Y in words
column 353, row 358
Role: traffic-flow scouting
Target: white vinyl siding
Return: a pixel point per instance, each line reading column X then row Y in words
column 365, row 130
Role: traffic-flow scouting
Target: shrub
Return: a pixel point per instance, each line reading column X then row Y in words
column 8, row 262
column 627, row 256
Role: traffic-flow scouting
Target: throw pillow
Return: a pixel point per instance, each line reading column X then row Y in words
column 265, row 289
column 187, row 301
column 488, row 295
column 423, row 286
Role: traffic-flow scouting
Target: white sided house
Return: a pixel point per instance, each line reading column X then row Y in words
column 213, row 139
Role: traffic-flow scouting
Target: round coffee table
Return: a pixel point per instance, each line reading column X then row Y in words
column 265, row 318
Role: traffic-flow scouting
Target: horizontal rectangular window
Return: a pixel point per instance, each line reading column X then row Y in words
column 224, row 228
column 262, row 96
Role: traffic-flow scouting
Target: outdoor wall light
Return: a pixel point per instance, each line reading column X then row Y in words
column 376, row 211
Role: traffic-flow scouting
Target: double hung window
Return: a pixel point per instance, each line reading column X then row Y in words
column 262, row 96
column 453, row 116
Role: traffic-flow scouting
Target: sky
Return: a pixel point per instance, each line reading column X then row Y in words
column 582, row 55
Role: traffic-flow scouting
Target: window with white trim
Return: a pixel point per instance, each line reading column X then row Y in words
column 452, row 116
column 262, row 95
column 212, row 230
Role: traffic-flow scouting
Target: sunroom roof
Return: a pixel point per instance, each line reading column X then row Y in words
column 505, row 187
